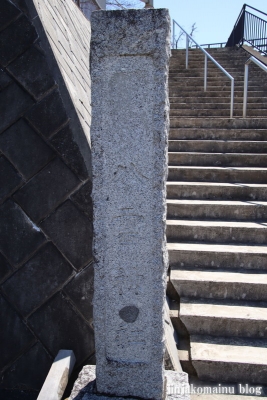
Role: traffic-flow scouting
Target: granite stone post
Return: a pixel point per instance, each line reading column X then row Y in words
column 129, row 69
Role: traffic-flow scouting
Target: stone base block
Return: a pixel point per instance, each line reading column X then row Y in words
column 177, row 387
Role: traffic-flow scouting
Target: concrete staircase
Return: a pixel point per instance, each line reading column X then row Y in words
column 217, row 219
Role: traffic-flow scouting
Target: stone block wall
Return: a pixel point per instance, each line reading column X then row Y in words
column 46, row 272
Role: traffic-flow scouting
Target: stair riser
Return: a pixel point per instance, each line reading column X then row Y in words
column 226, row 327
column 176, row 102
column 220, row 290
column 211, row 81
column 217, row 113
column 222, row 123
column 182, row 81
column 223, row 94
column 216, row 234
column 235, row 192
column 217, row 134
column 228, row 260
column 227, row 372
column 195, row 60
column 212, row 175
column 212, row 146
column 197, row 87
column 216, row 212
column 215, row 105
column 219, row 160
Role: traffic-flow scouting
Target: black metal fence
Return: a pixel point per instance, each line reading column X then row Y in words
column 250, row 28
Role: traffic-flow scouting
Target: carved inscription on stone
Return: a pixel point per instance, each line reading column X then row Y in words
column 129, row 207
column 129, row 69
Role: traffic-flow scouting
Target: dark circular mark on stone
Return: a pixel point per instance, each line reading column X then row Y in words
column 129, row 314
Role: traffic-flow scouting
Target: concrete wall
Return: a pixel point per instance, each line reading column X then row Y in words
column 46, row 274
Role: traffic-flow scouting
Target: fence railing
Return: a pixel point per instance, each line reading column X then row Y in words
column 250, row 28
column 211, row 45
column 259, row 64
column 189, row 39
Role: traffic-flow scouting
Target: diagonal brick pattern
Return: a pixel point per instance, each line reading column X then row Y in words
column 46, row 274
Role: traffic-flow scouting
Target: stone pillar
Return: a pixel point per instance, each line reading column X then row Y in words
column 129, row 69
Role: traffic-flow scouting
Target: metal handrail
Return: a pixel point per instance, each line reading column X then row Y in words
column 207, row 55
column 245, row 98
column 209, row 45
column 249, row 28
column 255, row 9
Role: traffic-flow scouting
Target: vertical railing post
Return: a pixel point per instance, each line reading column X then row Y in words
column 186, row 55
column 232, row 98
column 245, row 98
column 173, row 34
column 205, row 73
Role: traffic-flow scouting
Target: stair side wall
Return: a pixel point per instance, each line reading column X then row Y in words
column 46, row 273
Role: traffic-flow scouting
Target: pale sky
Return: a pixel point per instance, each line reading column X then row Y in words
column 214, row 18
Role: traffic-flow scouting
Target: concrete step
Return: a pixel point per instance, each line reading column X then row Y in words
column 212, row 80
column 215, row 104
column 198, row 71
column 218, row 146
column 240, row 175
column 222, row 318
column 220, row 284
column 198, row 84
column 224, row 359
column 223, row 91
column 175, row 92
column 215, row 191
column 218, row 159
column 213, row 255
column 198, row 63
column 239, row 232
column 176, row 101
column 216, row 112
column 224, row 61
column 221, row 123
column 216, row 134
column 217, row 210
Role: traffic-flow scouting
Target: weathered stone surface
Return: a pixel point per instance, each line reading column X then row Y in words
column 48, row 115
column 38, row 279
column 64, row 142
column 72, row 232
column 25, row 148
column 82, row 198
column 85, row 383
column 8, row 12
column 23, row 373
column 9, row 178
column 5, row 268
column 15, row 39
column 13, row 103
column 177, row 387
column 47, row 189
column 32, row 72
column 80, row 290
column 15, row 338
column 59, row 317
column 129, row 67
column 19, row 237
